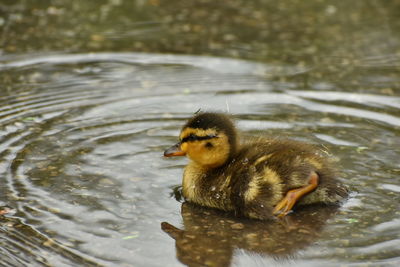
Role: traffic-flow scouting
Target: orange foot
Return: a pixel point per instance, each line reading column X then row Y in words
column 292, row 196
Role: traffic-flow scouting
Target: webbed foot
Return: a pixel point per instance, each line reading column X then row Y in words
column 292, row 196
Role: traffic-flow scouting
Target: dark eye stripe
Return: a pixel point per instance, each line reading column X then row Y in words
column 193, row 137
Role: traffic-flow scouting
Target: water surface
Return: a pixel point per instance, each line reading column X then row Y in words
column 92, row 93
column 81, row 161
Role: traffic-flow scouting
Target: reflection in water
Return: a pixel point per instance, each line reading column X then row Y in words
column 210, row 237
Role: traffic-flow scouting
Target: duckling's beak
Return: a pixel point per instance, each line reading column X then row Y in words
column 174, row 151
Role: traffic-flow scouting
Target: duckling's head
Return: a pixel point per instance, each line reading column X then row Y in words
column 208, row 139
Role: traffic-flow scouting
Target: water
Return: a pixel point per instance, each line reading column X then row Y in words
column 82, row 132
column 82, row 162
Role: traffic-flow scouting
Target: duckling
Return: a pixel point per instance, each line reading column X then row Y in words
column 258, row 178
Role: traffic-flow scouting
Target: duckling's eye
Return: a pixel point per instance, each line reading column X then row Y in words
column 209, row 145
column 191, row 137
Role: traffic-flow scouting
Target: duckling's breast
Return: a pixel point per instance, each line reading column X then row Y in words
column 207, row 188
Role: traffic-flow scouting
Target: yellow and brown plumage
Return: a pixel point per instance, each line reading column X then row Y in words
column 257, row 178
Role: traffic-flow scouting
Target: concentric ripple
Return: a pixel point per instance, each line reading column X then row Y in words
column 81, row 139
